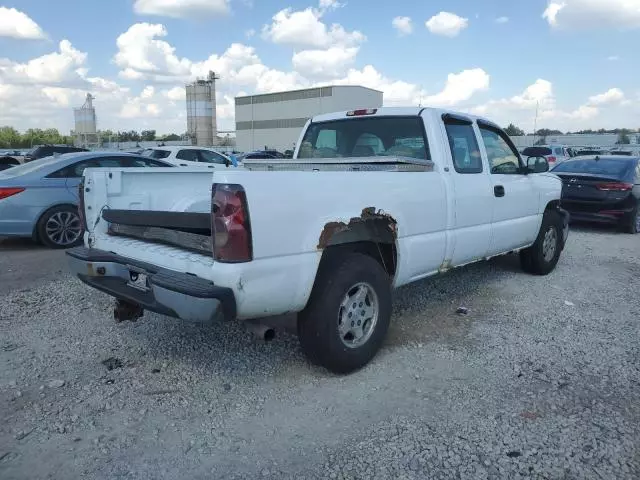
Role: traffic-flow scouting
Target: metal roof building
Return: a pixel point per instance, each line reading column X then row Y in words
column 275, row 120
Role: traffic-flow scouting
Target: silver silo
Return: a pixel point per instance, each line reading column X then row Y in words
column 201, row 111
column 86, row 133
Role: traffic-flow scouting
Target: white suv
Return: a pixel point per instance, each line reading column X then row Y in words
column 184, row 156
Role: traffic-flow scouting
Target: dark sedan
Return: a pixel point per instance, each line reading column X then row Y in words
column 602, row 189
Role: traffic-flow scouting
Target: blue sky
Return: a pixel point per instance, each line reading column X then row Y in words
column 575, row 60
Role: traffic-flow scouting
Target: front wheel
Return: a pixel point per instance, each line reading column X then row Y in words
column 542, row 257
column 633, row 225
column 347, row 317
column 60, row 227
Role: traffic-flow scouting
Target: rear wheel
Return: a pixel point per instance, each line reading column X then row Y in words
column 542, row 257
column 633, row 225
column 347, row 317
column 60, row 227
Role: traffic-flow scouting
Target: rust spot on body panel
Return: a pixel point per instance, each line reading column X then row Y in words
column 370, row 225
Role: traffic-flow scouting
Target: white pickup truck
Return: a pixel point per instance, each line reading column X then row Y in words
column 373, row 199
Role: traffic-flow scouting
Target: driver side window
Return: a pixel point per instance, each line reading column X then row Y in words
column 502, row 157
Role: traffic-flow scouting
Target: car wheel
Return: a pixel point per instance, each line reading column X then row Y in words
column 633, row 225
column 60, row 227
column 348, row 314
column 542, row 257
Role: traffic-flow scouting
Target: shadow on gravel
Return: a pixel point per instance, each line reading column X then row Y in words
column 595, row 228
column 424, row 312
column 10, row 244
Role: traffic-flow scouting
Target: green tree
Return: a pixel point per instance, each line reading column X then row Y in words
column 514, row 131
column 623, row 137
column 148, row 135
column 9, row 137
column 545, row 132
column 172, row 137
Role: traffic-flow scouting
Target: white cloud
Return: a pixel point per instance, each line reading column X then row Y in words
column 330, row 4
column 459, row 88
column 17, row 24
column 181, row 8
column 175, row 94
column 611, row 96
column 57, row 67
column 141, row 52
column 396, row 92
column 331, row 62
column 250, row 33
column 403, row 25
column 502, row 20
column 447, row 24
column 304, row 28
column 550, row 14
column 580, row 14
column 613, row 58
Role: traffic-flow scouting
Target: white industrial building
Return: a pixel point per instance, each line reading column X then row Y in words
column 274, row 120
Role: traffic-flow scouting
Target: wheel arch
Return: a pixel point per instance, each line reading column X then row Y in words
column 372, row 233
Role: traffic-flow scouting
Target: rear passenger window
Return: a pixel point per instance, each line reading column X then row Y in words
column 464, row 147
column 188, row 155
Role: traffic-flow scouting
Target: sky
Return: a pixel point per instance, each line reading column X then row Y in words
column 575, row 62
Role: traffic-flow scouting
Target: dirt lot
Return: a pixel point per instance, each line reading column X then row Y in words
column 540, row 380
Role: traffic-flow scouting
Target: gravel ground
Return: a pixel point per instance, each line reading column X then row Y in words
column 539, row 380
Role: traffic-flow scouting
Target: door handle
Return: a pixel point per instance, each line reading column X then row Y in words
column 498, row 191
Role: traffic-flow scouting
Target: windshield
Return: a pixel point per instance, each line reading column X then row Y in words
column 609, row 167
column 155, row 153
column 365, row 137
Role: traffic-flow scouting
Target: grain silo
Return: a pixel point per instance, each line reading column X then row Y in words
column 201, row 111
column 85, row 132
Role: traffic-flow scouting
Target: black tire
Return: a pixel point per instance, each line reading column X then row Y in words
column 66, row 240
column 633, row 224
column 533, row 259
column 319, row 327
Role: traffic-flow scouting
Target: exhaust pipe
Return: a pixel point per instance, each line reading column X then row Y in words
column 260, row 330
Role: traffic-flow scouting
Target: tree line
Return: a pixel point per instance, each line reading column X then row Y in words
column 623, row 133
column 12, row 138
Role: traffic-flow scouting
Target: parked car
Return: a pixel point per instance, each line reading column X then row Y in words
column 585, row 152
column 554, row 154
column 42, row 151
column 273, row 238
column 40, row 199
column 602, row 189
column 263, row 155
column 184, row 156
column 7, row 161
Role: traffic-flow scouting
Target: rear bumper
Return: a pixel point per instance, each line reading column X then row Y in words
column 612, row 214
column 167, row 292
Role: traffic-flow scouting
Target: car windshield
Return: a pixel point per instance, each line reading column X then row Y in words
column 156, row 153
column 609, row 167
column 365, row 137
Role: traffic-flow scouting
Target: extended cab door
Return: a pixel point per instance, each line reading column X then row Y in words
column 515, row 219
column 472, row 192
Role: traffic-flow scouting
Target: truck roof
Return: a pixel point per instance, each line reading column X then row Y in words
column 397, row 111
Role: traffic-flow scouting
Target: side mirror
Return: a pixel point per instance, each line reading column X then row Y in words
column 537, row 165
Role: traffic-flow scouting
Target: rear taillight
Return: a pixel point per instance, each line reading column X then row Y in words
column 83, row 219
column 7, row 192
column 230, row 225
column 551, row 159
column 615, row 187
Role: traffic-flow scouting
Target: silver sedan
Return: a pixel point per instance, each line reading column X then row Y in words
column 40, row 199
